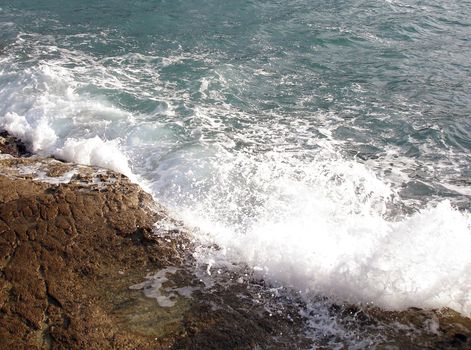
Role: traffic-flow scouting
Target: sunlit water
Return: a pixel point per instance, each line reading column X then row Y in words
column 324, row 144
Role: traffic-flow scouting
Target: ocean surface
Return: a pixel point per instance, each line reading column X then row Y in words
column 326, row 145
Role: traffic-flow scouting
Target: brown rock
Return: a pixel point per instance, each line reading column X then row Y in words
column 53, row 257
column 70, row 248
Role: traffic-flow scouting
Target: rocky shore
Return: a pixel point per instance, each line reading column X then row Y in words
column 76, row 246
column 89, row 261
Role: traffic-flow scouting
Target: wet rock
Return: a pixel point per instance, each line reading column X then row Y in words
column 74, row 239
column 413, row 328
column 57, row 241
column 10, row 144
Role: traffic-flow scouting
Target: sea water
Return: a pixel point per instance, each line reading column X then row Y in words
column 324, row 144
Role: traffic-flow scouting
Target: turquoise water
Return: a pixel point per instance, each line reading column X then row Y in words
column 324, row 144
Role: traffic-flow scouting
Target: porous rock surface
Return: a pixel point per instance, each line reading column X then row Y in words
column 56, row 243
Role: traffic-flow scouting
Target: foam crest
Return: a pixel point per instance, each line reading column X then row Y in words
column 42, row 107
column 28, row 102
column 95, row 151
column 37, row 133
column 420, row 261
column 321, row 227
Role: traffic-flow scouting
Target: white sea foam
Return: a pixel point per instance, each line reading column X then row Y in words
column 38, row 134
column 320, row 228
column 38, row 172
column 40, row 106
column 152, row 287
column 167, row 295
column 95, row 151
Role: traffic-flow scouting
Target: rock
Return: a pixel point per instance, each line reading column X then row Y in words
column 57, row 242
column 10, row 144
column 74, row 239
